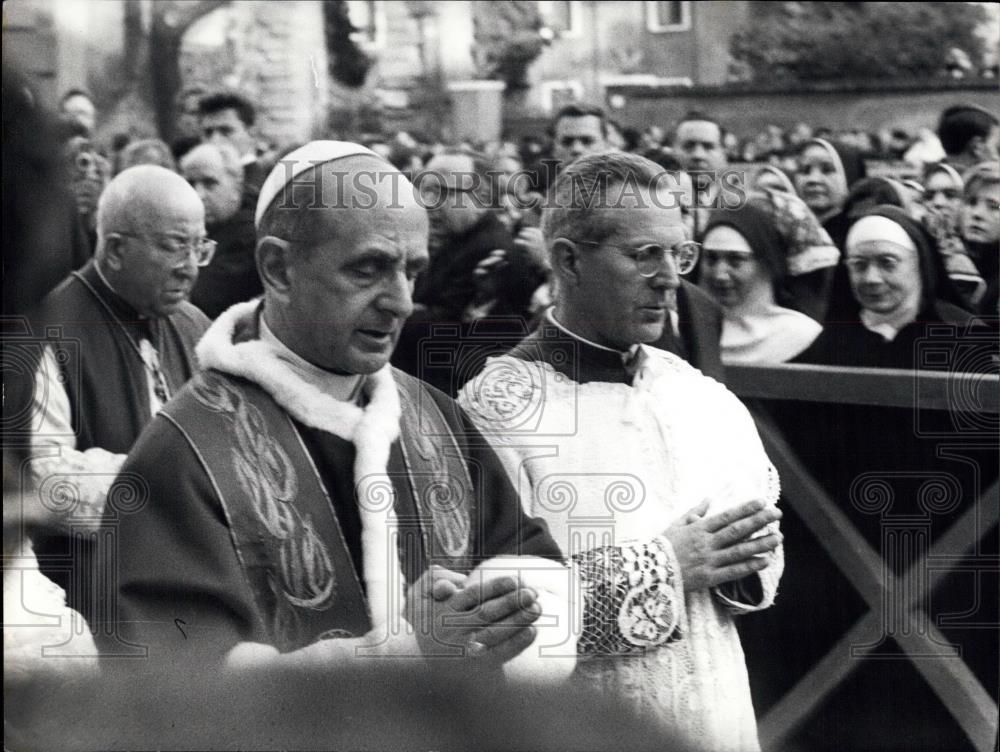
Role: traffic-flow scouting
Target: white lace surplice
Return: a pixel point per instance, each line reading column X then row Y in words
column 609, row 467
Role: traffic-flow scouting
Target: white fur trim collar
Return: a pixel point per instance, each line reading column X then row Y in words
column 259, row 362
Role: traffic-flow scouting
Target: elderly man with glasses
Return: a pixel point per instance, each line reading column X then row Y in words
column 650, row 475
column 115, row 340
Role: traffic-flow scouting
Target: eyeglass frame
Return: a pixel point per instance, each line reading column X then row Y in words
column 667, row 253
column 201, row 259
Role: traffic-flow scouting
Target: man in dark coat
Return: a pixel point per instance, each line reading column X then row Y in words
column 465, row 231
column 214, row 171
column 119, row 340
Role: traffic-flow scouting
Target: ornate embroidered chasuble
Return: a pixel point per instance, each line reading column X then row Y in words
column 285, row 530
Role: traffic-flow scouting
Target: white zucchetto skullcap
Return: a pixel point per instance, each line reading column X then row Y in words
column 304, row 158
column 876, row 228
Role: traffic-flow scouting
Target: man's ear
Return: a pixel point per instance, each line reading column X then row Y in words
column 113, row 252
column 565, row 257
column 274, row 259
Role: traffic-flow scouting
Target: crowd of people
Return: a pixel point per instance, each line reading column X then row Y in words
column 394, row 399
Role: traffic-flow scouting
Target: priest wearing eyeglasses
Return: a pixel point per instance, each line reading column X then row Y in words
column 116, row 340
column 650, row 475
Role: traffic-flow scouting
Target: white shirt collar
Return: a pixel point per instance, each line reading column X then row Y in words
column 343, row 387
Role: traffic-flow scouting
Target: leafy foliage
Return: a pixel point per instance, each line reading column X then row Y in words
column 808, row 41
column 507, row 40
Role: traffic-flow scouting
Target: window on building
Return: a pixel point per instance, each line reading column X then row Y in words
column 555, row 94
column 562, row 17
column 668, row 15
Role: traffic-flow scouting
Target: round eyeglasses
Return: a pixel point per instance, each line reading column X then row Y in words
column 179, row 251
column 651, row 258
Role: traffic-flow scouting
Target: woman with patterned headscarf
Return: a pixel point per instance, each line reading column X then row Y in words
column 773, row 178
column 942, row 201
column 823, row 178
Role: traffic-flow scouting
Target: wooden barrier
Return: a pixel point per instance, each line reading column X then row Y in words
column 952, row 681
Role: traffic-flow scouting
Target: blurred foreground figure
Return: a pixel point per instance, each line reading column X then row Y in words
column 44, row 642
column 318, row 506
column 650, row 475
column 119, row 340
column 376, row 705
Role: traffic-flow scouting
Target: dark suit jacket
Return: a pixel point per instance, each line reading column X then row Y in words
column 700, row 324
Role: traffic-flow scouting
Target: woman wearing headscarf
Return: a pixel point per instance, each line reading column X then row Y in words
column 943, row 191
column 773, row 178
column 824, row 174
column 869, row 192
column 979, row 226
column 941, row 201
column 899, row 287
column 748, row 257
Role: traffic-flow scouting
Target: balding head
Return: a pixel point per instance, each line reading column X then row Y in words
column 221, row 155
column 140, row 196
column 148, row 221
column 215, row 172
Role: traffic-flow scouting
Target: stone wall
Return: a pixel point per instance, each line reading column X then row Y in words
column 272, row 52
column 867, row 106
column 747, row 112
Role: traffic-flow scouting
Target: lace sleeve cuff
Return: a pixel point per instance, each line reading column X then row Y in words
column 633, row 597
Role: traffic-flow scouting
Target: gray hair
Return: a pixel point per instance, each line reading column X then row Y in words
column 147, row 151
column 483, row 178
column 227, row 153
column 590, row 184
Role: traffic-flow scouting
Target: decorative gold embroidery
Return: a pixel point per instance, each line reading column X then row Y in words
column 445, row 495
column 267, row 477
